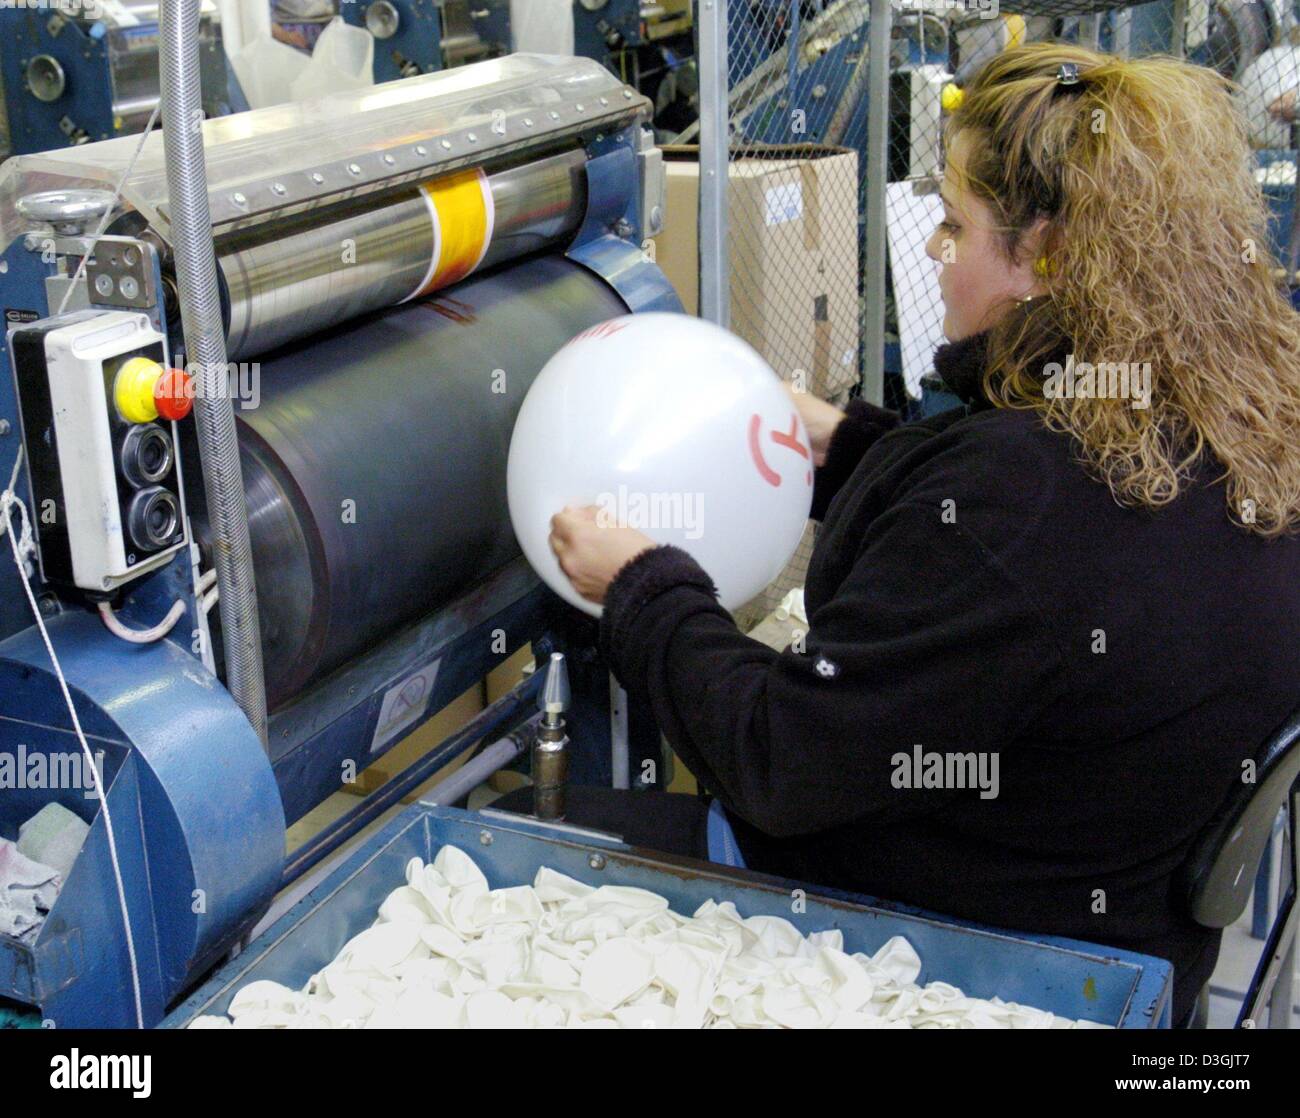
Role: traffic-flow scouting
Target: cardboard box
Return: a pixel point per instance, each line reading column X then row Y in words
column 793, row 236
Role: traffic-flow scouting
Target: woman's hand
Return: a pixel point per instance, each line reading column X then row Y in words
column 819, row 419
column 1284, row 108
column 592, row 549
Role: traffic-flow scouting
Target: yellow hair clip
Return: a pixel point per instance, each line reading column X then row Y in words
column 951, row 97
column 1041, row 267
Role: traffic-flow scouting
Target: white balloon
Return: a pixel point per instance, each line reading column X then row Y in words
column 672, row 426
column 1273, row 73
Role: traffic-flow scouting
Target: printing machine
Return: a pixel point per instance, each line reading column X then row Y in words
column 385, row 257
column 82, row 70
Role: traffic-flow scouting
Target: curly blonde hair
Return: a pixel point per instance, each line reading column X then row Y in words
column 1157, row 250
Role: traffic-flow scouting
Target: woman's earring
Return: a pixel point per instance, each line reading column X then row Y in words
column 1040, row 269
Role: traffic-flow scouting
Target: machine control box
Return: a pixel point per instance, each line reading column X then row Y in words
column 98, row 408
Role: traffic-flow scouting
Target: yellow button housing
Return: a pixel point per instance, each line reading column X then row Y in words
column 133, row 389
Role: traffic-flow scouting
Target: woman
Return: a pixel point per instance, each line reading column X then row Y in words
column 1088, row 580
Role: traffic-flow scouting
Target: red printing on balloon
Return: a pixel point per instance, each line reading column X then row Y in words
column 790, row 441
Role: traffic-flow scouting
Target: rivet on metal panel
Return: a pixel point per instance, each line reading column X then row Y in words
column 528, row 122
column 239, row 199
column 354, row 169
column 596, row 861
column 389, row 161
column 578, row 107
column 447, row 144
column 317, row 178
column 4, row 427
column 604, row 100
column 421, row 150
column 485, row 838
column 278, row 188
column 627, row 95
column 473, row 139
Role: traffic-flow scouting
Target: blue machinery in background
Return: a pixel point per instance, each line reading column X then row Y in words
column 73, row 75
column 420, row 36
column 643, row 44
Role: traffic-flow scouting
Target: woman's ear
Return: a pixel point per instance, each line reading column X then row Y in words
column 1031, row 257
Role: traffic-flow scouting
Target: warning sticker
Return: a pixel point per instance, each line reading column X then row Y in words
column 404, row 704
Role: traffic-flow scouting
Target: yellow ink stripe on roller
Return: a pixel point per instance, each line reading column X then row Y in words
column 460, row 208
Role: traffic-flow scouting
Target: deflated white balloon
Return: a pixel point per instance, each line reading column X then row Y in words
column 675, row 427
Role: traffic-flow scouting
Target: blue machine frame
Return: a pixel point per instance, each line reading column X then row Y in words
column 415, row 47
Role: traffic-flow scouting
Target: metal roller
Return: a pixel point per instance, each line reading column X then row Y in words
column 293, row 282
column 375, row 463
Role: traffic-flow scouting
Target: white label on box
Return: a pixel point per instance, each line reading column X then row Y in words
column 784, row 203
column 404, row 703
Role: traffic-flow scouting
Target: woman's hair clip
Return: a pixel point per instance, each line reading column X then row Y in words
column 1068, row 74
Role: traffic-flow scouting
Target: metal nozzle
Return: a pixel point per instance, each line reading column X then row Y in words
column 550, row 761
column 554, row 696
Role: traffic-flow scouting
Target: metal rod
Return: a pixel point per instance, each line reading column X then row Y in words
column 1293, row 235
column 487, row 722
column 873, row 326
column 620, row 760
column 1283, row 995
column 477, row 769
column 715, row 266
column 1178, row 32
column 205, row 343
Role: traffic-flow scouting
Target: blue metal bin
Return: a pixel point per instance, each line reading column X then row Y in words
column 1067, row 977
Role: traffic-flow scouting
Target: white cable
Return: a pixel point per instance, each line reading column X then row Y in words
column 141, row 636
column 108, row 214
column 207, row 581
column 9, row 499
column 210, row 600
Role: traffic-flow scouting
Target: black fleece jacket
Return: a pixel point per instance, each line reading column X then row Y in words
column 973, row 589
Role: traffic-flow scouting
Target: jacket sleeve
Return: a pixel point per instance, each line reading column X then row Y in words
column 796, row 742
column 862, row 425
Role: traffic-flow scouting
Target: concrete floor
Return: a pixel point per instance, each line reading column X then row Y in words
column 1238, row 958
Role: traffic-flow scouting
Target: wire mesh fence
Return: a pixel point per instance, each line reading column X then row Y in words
column 797, row 109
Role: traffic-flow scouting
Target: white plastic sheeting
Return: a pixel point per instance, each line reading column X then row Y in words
column 542, row 26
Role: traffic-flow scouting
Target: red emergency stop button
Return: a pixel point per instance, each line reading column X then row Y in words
column 173, row 394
